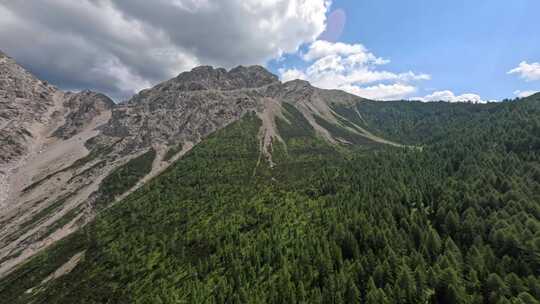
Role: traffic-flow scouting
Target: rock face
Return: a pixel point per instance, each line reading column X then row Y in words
column 208, row 78
column 189, row 107
column 26, row 104
column 83, row 108
column 38, row 124
column 57, row 148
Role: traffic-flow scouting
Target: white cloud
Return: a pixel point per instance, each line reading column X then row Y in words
column 381, row 91
column 529, row 72
column 352, row 68
column 71, row 43
column 523, row 94
column 357, row 52
column 292, row 74
column 449, row 96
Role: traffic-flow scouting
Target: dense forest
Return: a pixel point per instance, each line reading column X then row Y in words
column 452, row 217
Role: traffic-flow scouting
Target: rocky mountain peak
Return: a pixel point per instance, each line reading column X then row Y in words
column 297, row 85
column 14, row 79
column 210, row 78
column 26, row 104
column 5, row 58
column 253, row 76
column 191, row 105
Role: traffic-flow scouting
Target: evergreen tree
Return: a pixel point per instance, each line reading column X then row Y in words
column 352, row 294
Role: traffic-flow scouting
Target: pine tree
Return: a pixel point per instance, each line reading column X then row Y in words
column 451, row 222
column 495, row 287
column 433, row 243
column 515, row 284
column 527, row 298
column 449, row 290
column 302, row 296
column 406, row 285
column 352, row 294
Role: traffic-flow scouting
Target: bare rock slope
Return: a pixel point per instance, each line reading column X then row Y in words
column 26, row 105
column 59, row 150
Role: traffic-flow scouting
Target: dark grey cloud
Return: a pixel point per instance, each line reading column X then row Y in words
column 120, row 47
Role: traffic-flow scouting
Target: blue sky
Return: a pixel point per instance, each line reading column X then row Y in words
column 380, row 49
column 465, row 46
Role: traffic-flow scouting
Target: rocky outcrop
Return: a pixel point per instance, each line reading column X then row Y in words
column 26, row 105
column 208, row 78
column 189, row 107
column 83, row 108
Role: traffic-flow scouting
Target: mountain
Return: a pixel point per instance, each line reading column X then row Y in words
column 63, row 148
column 232, row 187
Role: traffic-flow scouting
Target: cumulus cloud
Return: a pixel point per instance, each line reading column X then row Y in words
column 449, row 96
column 292, row 74
column 120, row 47
column 523, row 94
column 352, row 68
column 355, row 53
column 382, row 91
column 527, row 71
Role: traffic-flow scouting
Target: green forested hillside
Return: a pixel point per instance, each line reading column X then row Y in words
column 457, row 221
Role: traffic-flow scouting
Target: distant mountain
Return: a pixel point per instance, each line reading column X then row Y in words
column 224, row 186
